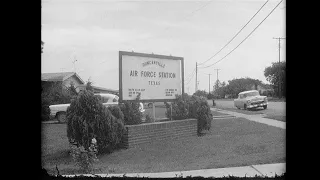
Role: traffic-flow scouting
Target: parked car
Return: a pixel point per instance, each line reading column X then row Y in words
column 59, row 111
column 250, row 99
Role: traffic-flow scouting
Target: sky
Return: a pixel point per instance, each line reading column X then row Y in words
column 94, row 31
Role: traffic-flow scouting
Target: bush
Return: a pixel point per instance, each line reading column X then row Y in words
column 45, row 110
column 191, row 107
column 149, row 119
column 116, row 112
column 131, row 112
column 84, row 158
column 88, row 118
column 210, row 96
column 179, row 108
column 200, row 110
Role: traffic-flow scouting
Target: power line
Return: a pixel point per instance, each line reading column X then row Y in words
column 191, row 73
column 245, row 38
column 191, row 77
column 236, row 34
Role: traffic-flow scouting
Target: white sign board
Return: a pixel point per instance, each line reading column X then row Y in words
column 154, row 77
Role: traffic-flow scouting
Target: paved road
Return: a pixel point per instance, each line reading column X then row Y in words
column 274, row 108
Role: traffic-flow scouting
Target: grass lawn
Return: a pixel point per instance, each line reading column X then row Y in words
column 276, row 117
column 230, row 142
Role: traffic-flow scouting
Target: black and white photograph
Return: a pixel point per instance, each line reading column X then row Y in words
column 163, row 88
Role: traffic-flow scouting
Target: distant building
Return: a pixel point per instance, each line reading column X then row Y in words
column 68, row 78
column 97, row 89
column 65, row 78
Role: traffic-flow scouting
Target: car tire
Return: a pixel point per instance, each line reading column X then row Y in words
column 62, row 117
column 245, row 106
column 265, row 107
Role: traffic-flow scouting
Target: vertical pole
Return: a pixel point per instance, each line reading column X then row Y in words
column 171, row 111
column 196, row 77
column 279, row 73
column 209, row 83
column 154, row 112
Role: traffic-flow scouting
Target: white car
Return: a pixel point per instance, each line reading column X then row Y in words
column 59, row 111
column 250, row 99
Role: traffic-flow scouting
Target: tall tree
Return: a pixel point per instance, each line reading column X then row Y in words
column 236, row 86
column 89, row 85
column 277, row 73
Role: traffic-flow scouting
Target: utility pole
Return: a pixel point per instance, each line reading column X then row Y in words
column 217, row 73
column 217, row 76
column 196, row 77
column 209, row 83
column 279, row 89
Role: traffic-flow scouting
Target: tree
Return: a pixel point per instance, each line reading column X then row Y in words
column 273, row 75
column 89, row 85
column 236, row 86
column 201, row 93
column 219, row 89
column 72, row 90
column 217, row 85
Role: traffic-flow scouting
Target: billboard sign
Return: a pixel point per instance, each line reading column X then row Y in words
column 154, row 77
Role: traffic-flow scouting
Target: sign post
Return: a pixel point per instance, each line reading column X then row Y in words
column 157, row 78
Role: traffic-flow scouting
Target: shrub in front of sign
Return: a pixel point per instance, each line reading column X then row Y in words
column 131, row 112
column 149, row 119
column 179, row 108
column 88, row 119
column 191, row 107
column 199, row 109
column 116, row 112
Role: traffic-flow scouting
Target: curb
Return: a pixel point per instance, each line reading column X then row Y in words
column 261, row 170
column 223, row 117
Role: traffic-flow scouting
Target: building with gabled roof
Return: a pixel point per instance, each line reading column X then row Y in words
column 97, row 89
column 66, row 78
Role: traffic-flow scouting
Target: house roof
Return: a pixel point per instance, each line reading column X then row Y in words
column 101, row 88
column 59, row 76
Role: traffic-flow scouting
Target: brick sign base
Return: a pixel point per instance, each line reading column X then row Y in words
column 170, row 130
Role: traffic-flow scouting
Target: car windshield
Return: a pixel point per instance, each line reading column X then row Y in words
column 252, row 94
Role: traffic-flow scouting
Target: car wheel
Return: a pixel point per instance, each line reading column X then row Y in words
column 61, row 117
column 245, row 107
column 265, row 107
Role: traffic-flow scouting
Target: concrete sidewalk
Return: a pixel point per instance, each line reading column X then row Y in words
column 257, row 118
column 266, row 170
